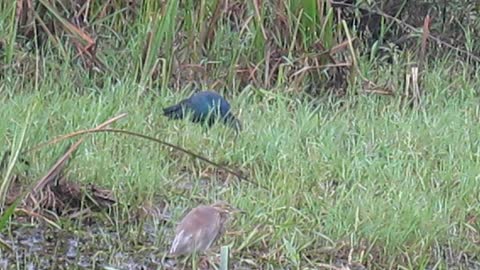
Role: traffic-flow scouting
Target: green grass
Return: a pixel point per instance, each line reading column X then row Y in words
column 395, row 185
column 359, row 179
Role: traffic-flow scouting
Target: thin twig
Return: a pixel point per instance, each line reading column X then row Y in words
column 167, row 144
column 59, row 165
column 98, row 130
column 71, row 135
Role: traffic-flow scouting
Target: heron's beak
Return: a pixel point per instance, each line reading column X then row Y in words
column 238, row 211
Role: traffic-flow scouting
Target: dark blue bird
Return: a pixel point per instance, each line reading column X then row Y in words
column 205, row 107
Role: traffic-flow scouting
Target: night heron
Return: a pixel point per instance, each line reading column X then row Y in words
column 200, row 228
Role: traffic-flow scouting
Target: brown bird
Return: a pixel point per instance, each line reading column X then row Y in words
column 200, row 228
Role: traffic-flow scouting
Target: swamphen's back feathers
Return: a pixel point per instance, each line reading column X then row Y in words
column 205, row 107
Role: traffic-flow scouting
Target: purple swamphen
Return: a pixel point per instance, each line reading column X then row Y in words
column 205, row 107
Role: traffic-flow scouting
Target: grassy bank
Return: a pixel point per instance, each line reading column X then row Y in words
column 364, row 177
column 340, row 176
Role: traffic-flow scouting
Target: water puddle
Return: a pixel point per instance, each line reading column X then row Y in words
column 43, row 247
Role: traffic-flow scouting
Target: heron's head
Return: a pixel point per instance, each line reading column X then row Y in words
column 226, row 208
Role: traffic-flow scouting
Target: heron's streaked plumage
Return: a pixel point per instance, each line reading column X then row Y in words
column 200, row 228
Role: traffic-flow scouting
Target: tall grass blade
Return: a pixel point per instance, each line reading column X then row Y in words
column 224, row 257
column 8, row 213
column 12, row 31
column 17, row 146
column 162, row 37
